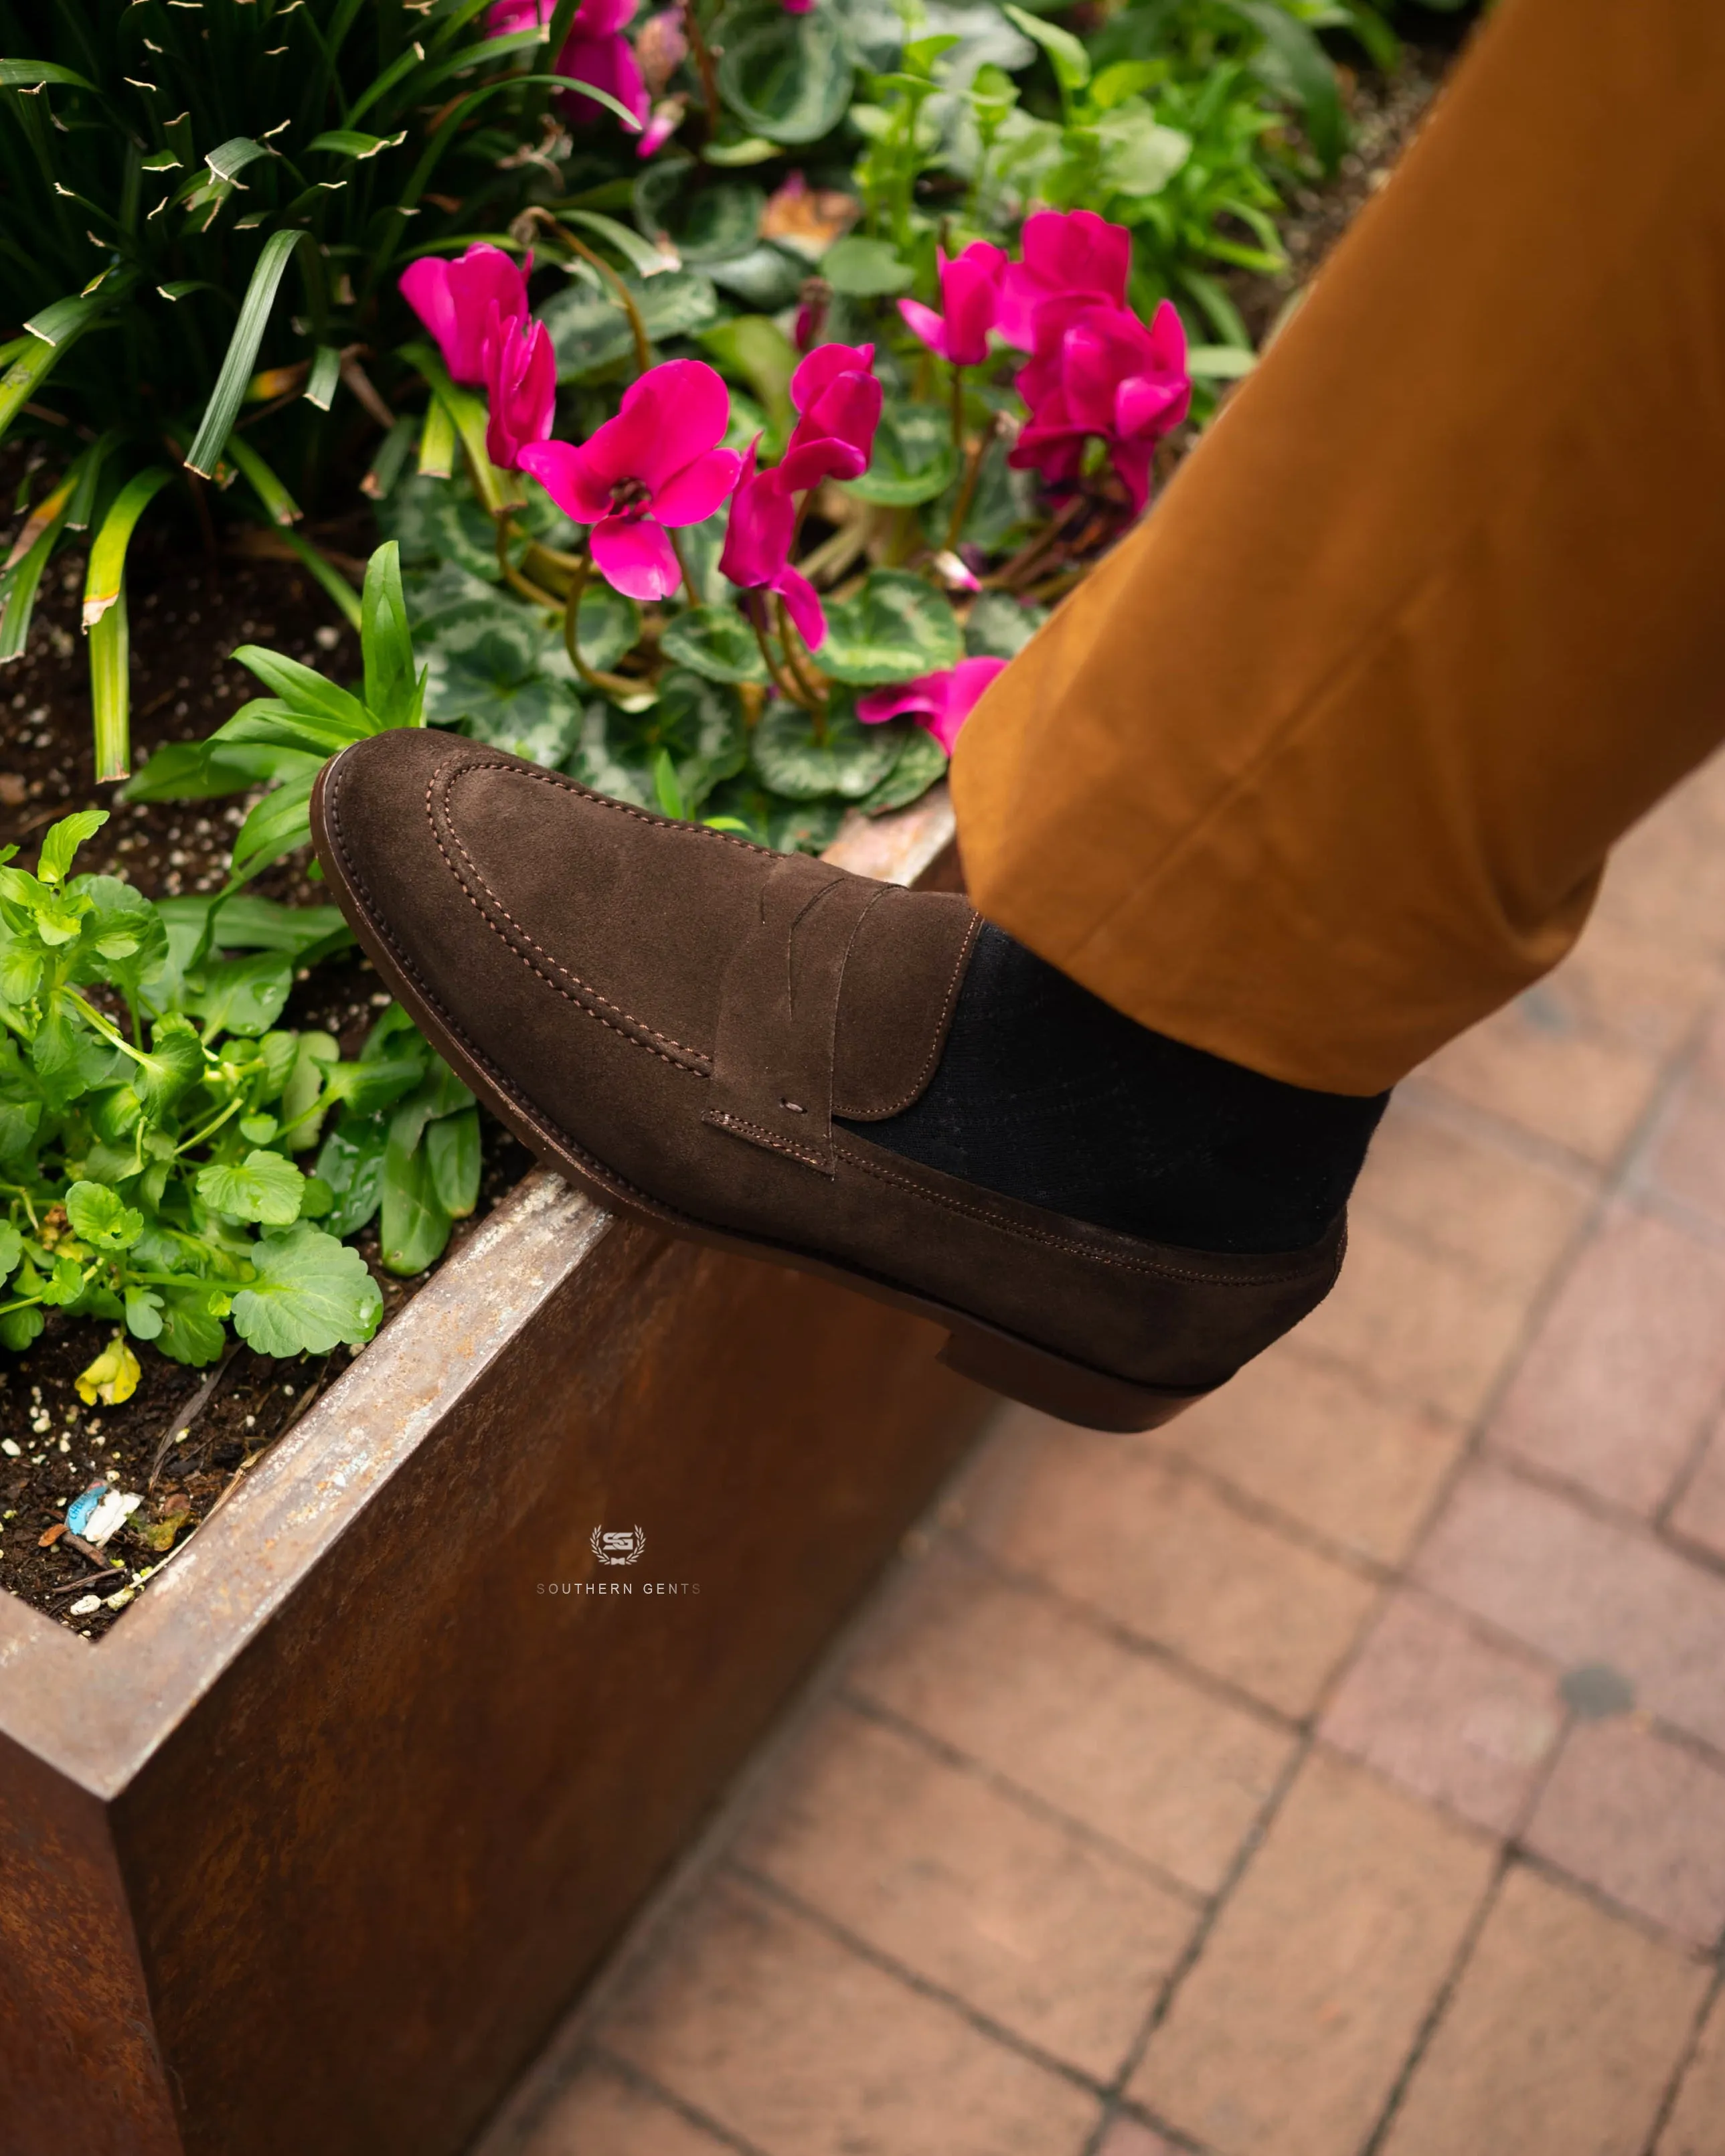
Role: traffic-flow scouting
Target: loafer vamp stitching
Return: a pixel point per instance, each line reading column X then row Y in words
column 525, row 947
column 1157, row 1317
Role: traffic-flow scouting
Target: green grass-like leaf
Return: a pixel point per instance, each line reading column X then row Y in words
column 242, row 356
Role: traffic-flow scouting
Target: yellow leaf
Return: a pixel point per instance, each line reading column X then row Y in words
column 111, row 1378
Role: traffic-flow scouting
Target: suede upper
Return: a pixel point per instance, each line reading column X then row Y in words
column 682, row 1014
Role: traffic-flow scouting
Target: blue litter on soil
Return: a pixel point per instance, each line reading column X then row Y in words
column 82, row 1506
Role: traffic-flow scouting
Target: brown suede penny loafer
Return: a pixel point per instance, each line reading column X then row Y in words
column 672, row 1019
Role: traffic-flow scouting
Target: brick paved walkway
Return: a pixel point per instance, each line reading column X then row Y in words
column 1341, row 1771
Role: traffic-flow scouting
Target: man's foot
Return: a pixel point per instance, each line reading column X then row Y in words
column 718, row 1039
column 1046, row 1093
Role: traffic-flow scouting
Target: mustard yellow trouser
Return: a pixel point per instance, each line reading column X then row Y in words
column 1323, row 763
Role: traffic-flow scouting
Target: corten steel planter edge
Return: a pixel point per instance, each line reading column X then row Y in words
column 103, row 1787
column 100, row 1711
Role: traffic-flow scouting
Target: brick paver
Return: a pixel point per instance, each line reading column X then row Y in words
column 1289, row 2033
column 1561, row 2036
column 1699, row 1512
column 1642, row 1818
column 1465, row 1720
column 1061, row 1942
column 1583, row 1589
column 1126, row 2136
column 1533, row 1065
column 1623, row 985
column 1697, row 2123
column 1617, row 1387
column 1114, row 1739
column 1426, row 1328
column 789, row 2039
column 1318, row 1445
column 1114, row 1527
column 1667, row 880
column 1480, row 1195
column 1685, row 1158
column 600, row 2114
column 1341, row 1769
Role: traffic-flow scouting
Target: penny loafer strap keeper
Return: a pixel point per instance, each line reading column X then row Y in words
column 778, row 1011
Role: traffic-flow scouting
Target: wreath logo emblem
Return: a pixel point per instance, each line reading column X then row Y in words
column 618, row 1545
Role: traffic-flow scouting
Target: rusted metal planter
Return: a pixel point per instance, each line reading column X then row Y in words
column 309, row 1853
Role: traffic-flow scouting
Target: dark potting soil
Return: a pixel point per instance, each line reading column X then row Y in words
column 188, row 615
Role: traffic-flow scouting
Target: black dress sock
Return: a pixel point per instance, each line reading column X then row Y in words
column 1047, row 1094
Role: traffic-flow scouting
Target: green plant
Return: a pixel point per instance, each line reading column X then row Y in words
column 171, row 1157
column 283, row 739
column 149, row 1111
column 164, row 166
column 1171, row 119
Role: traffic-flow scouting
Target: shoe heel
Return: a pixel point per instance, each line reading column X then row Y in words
column 1056, row 1386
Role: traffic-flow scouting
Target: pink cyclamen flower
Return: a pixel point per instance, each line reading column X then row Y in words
column 757, row 547
column 595, row 51
column 1066, row 254
column 456, row 302
column 657, row 463
column 970, row 298
column 521, row 382
column 940, row 702
column 667, row 116
column 798, row 7
column 838, row 402
column 1098, row 370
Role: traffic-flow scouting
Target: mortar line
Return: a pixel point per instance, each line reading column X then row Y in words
column 1023, row 1799
column 1684, row 1480
column 1264, row 1513
column 1427, row 1099
column 925, row 1987
column 1679, row 2072
column 1508, row 1854
column 649, row 2085
column 1490, row 1633
column 1250, row 1842
column 1112, row 1628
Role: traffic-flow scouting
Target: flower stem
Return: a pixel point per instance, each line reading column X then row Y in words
column 24, row 1194
column 834, row 555
column 704, row 67
column 752, row 608
column 625, row 298
column 114, row 1037
column 210, row 1128
column 682, row 566
column 512, row 576
column 1058, row 586
column 551, row 566
column 814, row 696
column 607, row 685
column 1029, row 555
column 967, row 490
